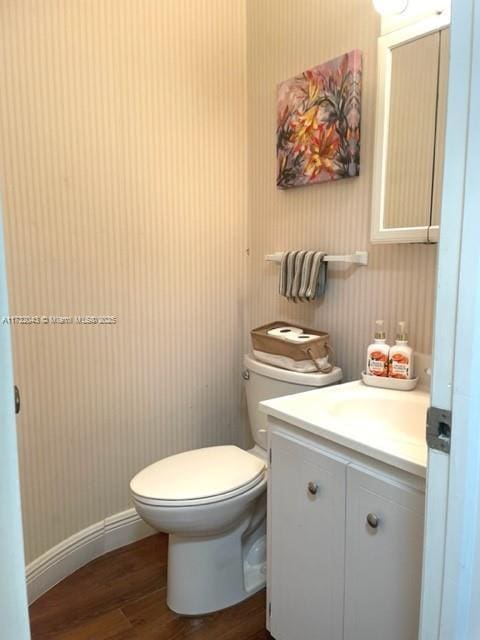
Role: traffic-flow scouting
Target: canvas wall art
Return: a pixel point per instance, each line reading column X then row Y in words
column 318, row 123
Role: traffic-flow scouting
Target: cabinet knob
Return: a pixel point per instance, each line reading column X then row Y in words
column 312, row 488
column 373, row 520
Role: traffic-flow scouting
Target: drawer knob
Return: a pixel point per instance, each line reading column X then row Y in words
column 312, row 488
column 373, row 520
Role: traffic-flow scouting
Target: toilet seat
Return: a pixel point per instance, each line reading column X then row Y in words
column 197, row 477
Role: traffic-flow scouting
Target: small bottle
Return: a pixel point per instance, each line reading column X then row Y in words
column 377, row 353
column 400, row 362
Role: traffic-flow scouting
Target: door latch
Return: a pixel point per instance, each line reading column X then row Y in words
column 439, row 429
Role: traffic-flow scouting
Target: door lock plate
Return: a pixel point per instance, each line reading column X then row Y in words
column 439, row 429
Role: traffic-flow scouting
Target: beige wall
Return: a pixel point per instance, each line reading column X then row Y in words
column 285, row 38
column 123, row 168
column 123, row 136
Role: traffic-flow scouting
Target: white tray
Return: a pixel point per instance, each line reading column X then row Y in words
column 389, row 383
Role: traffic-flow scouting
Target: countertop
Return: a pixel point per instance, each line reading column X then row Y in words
column 395, row 435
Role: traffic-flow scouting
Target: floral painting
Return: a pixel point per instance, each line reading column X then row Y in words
column 318, row 123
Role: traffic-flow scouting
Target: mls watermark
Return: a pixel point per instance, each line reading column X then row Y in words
column 55, row 320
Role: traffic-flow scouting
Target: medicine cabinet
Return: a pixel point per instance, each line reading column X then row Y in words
column 410, row 132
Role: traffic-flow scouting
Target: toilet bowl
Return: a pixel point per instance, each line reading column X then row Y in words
column 213, row 507
column 212, row 503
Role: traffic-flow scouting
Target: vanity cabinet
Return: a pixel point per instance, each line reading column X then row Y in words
column 344, row 543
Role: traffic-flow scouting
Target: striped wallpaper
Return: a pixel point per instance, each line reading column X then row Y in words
column 123, row 168
column 129, row 192
column 283, row 40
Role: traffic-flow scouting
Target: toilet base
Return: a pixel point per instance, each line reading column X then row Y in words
column 209, row 574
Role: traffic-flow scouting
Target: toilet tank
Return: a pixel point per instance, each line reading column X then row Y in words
column 265, row 382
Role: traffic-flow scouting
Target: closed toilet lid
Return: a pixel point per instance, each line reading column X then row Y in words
column 199, row 474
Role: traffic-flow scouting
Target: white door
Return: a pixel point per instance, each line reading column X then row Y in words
column 307, row 532
column 13, row 596
column 383, row 559
column 451, row 572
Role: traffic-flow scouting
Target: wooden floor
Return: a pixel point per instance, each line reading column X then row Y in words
column 121, row 596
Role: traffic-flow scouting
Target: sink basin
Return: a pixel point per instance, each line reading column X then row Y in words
column 398, row 413
column 386, row 424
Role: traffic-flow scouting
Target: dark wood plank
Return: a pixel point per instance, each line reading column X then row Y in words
column 122, row 596
column 104, row 584
column 104, row 627
column 260, row 635
column 151, row 618
column 235, row 623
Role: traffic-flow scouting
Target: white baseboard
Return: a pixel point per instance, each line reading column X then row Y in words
column 86, row 545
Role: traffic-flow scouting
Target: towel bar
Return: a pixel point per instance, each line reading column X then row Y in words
column 359, row 257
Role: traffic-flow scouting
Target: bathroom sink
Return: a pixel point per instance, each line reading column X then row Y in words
column 388, row 425
column 396, row 413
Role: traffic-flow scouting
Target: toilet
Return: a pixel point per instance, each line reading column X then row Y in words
column 212, row 503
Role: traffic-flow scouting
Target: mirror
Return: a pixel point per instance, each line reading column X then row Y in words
column 410, row 131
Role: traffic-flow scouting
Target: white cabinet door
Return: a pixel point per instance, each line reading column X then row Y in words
column 307, row 534
column 383, row 565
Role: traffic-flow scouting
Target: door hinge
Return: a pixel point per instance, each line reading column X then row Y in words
column 269, row 609
column 270, row 456
column 16, row 396
column 439, row 429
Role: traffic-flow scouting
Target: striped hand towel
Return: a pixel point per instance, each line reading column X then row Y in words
column 303, row 275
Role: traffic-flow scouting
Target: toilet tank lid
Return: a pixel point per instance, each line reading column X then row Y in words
column 294, row 377
column 198, row 474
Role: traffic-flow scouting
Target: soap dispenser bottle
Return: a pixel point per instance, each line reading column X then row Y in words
column 378, row 352
column 400, row 364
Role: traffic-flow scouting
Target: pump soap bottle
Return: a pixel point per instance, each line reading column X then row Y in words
column 400, row 364
column 377, row 353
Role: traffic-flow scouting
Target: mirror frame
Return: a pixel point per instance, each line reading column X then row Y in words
column 380, row 233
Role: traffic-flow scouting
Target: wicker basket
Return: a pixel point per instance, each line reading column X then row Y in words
column 314, row 350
